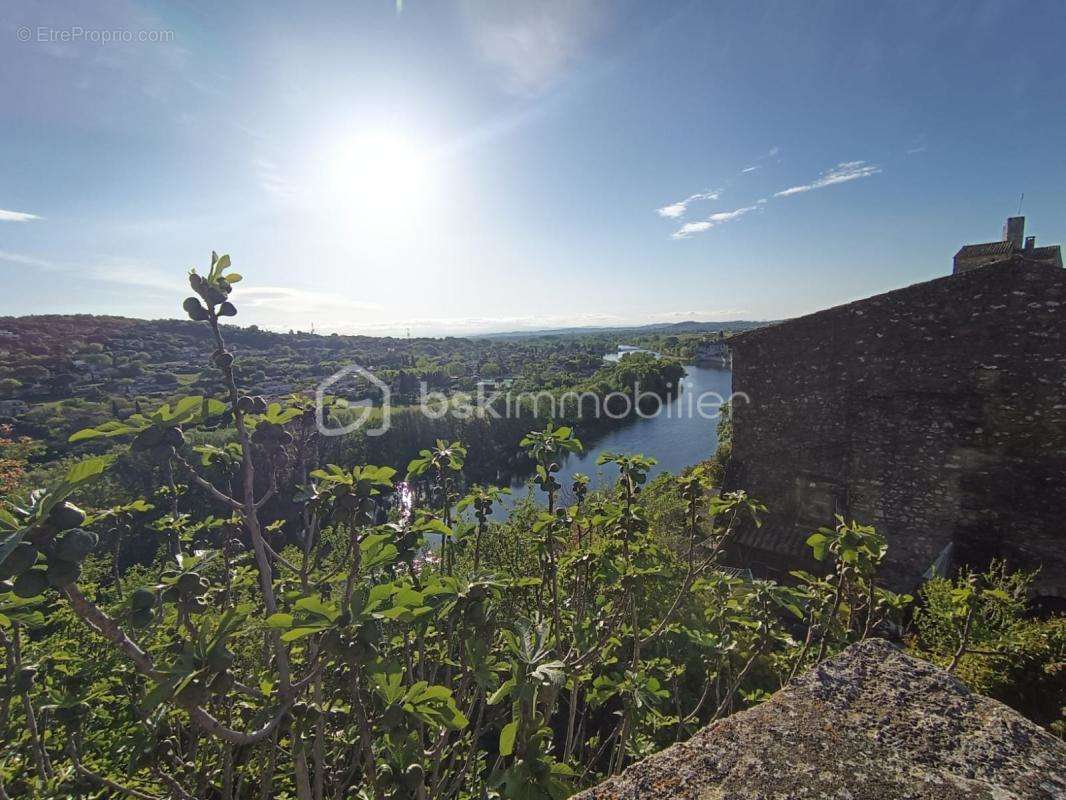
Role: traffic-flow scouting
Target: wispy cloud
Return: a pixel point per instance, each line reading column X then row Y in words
column 288, row 302
column 534, row 45
column 917, row 145
column 124, row 271
column 713, row 221
column 690, row 228
column 771, row 153
column 16, row 216
column 841, row 173
column 678, row 209
column 272, row 179
column 26, row 261
column 130, row 272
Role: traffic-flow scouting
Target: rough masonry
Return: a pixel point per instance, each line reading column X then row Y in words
column 870, row 724
column 936, row 413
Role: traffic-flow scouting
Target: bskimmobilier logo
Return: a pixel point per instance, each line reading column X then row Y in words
column 353, row 372
column 354, row 398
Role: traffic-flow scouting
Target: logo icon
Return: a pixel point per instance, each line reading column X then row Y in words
column 366, row 412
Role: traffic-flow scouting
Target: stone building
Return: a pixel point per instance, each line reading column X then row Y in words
column 936, row 413
column 1014, row 243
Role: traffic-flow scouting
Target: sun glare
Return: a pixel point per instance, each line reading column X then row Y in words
column 375, row 176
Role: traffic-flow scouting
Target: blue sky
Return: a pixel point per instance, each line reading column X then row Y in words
column 481, row 165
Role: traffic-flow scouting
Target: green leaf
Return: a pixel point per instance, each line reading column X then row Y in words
column 9, row 544
column 110, row 428
column 407, row 597
column 507, row 737
column 818, row 543
column 388, row 680
column 377, row 551
column 87, row 470
column 279, row 416
column 280, row 621
column 8, row 519
column 28, row 617
column 301, row 633
column 160, row 692
column 318, row 607
column 192, row 409
column 432, row 525
column 418, row 466
column 405, row 614
column 230, row 622
column 381, row 592
column 183, row 407
column 502, row 692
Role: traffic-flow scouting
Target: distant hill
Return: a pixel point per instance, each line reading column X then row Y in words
column 60, row 373
column 655, row 327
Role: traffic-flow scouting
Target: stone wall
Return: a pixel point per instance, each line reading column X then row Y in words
column 936, row 412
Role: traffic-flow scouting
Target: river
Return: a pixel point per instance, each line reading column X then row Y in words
column 677, row 437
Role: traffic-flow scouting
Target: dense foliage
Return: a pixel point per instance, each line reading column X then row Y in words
column 300, row 628
column 979, row 626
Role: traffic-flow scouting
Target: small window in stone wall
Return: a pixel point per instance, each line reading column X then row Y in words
column 817, row 500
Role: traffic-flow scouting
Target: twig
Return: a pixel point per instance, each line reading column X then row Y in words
column 110, row 784
column 203, row 483
column 107, row 628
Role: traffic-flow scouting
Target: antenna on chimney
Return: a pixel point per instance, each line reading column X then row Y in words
column 1020, row 199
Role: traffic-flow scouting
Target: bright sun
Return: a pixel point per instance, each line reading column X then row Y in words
column 376, row 176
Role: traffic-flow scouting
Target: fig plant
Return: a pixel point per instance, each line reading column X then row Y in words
column 293, row 638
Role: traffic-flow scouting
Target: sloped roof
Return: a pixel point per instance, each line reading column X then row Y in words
column 1046, row 253
column 986, row 249
column 1007, row 249
column 1020, row 266
column 873, row 723
column 790, row 541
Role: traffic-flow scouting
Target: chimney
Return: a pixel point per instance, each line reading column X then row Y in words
column 1014, row 230
column 1030, row 244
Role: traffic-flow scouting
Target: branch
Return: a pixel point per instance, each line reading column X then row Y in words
column 106, row 627
column 203, row 483
column 964, row 638
column 251, row 520
column 997, row 653
column 597, row 649
column 175, row 787
column 110, row 630
column 270, row 492
column 209, row 724
column 279, row 557
column 117, row 787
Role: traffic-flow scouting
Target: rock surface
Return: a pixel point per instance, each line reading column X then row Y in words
column 873, row 723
